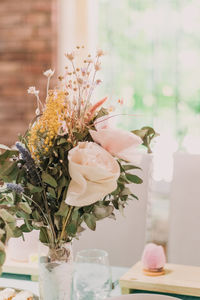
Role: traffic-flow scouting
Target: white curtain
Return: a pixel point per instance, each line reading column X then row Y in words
column 77, row 26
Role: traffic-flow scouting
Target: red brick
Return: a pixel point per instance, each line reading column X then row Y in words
column 16, row 33
column 27, row 48
column 10, row 20
column 44, row 32
column 8, row 66
column 41, row 6
column 36, row 45
column 37, row 19
column 19, row 6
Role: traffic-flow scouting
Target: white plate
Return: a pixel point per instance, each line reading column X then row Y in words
column 19, row 290
column 143, row 297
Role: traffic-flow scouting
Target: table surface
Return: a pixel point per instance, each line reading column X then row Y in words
column 117, row 272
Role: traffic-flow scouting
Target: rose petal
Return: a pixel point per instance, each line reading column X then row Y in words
column 94, row 173
column 102, row 122
column 118, row 142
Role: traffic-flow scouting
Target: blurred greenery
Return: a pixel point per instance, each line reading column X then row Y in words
column 153, row 61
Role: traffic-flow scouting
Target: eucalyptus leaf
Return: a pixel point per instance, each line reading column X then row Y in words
column 2, row 232
column 52, row 192
column 63, row 210
column 24, row 228
column 17, row 232
column 126, row 191
column 36, row 215
column 102, row 212
column 10, row 169
column 43, row 235
column 34, row 189
column 146, row 134
column 134, row 178
column 2, row 257
column 121, row 209
column 57, row 221
column 123, row 179
column 62, row 181
column 22, row 214
column 9, row 231
column 2, row 246
column 7, row 154
column 75, row 216
column 61, row 141
column 25, row 207
column 47, row 178
column 88, row 208
column 134, row 196
column 71, row 228
column 5, row 167
column 6, row 216
column 130, row 167
column 80, row 229
column 140, row 132
column 90, row 221
column 102, row 112
column 28, row 224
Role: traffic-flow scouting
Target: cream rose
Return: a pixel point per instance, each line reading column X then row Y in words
column 94, row 173
column 118, row 142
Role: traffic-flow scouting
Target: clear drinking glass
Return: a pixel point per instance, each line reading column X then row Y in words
column 92, row 275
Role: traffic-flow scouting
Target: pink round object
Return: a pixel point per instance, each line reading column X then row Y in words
column 153, row 257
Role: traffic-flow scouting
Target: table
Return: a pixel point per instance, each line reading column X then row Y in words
column 178, row 281
column 117, row 272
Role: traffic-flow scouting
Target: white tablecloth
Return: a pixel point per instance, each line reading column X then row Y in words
column 117, row 272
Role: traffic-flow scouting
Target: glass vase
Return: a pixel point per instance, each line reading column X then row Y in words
column 92, row 275
column 55, row 273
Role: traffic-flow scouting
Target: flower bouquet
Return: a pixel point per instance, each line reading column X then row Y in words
column 70, row 169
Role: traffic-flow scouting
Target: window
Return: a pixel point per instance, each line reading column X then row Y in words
column 154, row 64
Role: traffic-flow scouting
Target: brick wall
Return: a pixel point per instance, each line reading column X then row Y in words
column 27, row 48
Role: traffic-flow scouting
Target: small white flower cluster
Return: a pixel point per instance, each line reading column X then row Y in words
column 32, row 90
column 49, row 73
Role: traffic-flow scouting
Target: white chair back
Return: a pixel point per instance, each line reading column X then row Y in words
column 184, row 235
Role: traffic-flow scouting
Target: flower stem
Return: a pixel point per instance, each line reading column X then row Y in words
column 66, row 220
column 46, row 219
column 48, row 82
column 79, row 90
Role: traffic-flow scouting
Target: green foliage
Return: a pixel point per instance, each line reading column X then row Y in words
column 90, row 220
column 141, row 63
column 102, row 211
column 34, row 189
column 25, row 207
column 47, row 178
column 133, row 178
column 42, row 203
column 2, row 255
column 102, row 112
column 63, row 210
column 146, row 134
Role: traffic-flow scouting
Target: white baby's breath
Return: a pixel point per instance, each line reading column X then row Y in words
column 70, row 55
column 32, row 90
column 49, row 73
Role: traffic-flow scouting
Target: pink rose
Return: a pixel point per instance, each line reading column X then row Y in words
column 118, row 142
column 94, row 173
column 153, row 257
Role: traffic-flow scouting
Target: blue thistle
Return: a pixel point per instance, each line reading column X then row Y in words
column 26, row 156
column 29, row 162
column 17, row 188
